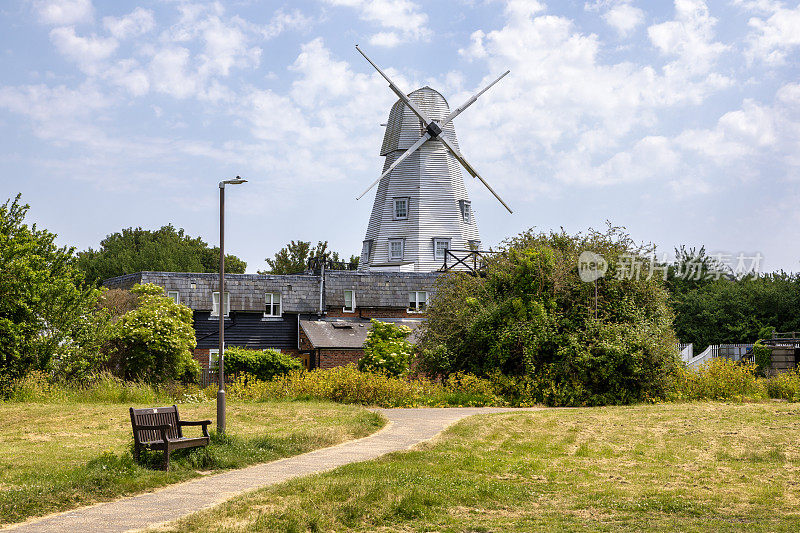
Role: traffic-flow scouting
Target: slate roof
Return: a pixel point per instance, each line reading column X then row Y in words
column 300, row 293
column 348, row 333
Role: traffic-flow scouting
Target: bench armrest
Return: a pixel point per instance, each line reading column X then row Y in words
column 194, row 422
column 204, row 423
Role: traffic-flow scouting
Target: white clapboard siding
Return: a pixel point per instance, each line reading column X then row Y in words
column 432, row 181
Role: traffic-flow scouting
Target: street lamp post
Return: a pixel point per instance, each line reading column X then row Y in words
column 221, row 307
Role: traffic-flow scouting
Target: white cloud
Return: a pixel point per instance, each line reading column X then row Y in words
column 87, row 52
column 127, row 73
column 170, row 73
column 624, row 18
column 138, row 22
column 619, row 14
column 774, row 38
column 689, row 38
column 404, row 18
column 64, row 12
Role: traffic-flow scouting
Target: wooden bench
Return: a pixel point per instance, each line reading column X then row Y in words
column 161, row 428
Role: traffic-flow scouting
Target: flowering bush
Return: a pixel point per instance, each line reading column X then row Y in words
column 718, row 379
column 154, row 342
column 387, row 350
column 785, row 386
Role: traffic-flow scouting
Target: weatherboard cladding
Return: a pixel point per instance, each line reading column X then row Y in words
column 299, row 293
column 247, row 329
column 431, row 179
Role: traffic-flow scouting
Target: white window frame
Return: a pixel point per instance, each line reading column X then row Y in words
column 436, row 242
column 215, row 304
column 402, row 249
column 366, row 250
column 414, row 298
column 466, row 210
column 407, row 203
column 352, row 308
column 269, row 303
column 213, row 358
column 175, row 295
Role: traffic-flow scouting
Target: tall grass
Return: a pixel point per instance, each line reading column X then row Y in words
column 346, row 384
column 101, row 388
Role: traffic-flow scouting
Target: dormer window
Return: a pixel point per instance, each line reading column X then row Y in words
column 400, row 208
column 215, row 304
column 466, row 210
column 272, row 304
column 366, row 251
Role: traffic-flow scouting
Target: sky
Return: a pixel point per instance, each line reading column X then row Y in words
column 679, row 121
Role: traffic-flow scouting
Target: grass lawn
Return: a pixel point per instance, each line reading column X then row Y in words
column 686, row 467
column 57, row 456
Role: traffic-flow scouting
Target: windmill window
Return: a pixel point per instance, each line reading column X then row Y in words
column 396, row 247
column 417, row 301
column 272, row 304
column 366, row 251
column 215, row 304
column 466, row 210
column 440, row 247
column 349, row 302
column 400, row 208
column 175, row 296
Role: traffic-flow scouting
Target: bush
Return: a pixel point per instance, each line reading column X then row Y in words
column 387, row 350
column 718, row 379
column 154, row 342
column 262, row 364
column 784, row 386
column 577, row 343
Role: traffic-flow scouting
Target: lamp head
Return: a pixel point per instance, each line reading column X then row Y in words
column 236, row 181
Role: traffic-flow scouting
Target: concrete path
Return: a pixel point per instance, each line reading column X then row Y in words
column 406, row 428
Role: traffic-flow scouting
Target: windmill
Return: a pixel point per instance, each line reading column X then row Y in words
column 421, row 207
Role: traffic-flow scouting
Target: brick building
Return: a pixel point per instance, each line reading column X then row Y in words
column 321, row 318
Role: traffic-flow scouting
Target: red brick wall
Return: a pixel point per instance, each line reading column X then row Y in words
column 201, row 354
column 331, row 358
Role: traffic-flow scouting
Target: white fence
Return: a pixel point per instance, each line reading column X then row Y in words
column 734, row 352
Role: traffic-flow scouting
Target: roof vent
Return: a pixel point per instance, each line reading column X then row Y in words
column 342, row 325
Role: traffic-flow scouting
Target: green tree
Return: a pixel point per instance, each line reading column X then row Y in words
column 165, row 249
column 532, row 317
column 154, row 342
column 43, row 306
column 293, row 258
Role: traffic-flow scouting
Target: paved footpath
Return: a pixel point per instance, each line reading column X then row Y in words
column 406, row 428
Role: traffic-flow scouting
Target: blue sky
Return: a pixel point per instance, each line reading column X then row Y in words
column 679, row 121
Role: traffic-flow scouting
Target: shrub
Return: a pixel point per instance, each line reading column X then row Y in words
column 784, row 386
column 262, row 364
column 718, row 379
column 387, row 350
column 154, row 342
column 604, row 342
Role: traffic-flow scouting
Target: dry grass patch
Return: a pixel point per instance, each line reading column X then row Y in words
column 56, row 456
column 687, row 467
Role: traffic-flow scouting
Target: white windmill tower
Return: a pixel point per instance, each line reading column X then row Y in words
column 421, row 208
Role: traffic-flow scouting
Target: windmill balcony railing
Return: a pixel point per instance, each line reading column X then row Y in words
column 472, row 261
